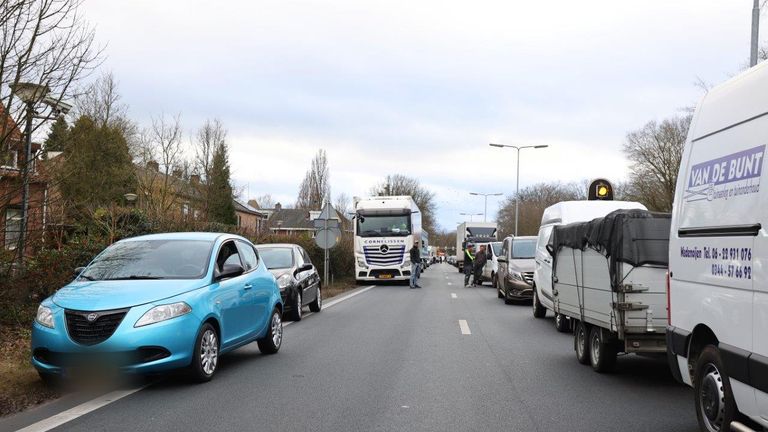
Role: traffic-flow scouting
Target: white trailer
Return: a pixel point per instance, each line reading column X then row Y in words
column 471, row 233
column 385, row 229
column 609, row 278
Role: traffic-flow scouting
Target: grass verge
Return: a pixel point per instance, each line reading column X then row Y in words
column 20, row 386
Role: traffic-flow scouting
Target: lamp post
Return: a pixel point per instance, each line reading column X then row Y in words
column 517, row 182
column 31, row 94
column 470, row 215
column 486, row 195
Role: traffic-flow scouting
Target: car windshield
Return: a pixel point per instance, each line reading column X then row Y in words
column 383, row 226
column 277, row 258
column 523, row 248
column 151, row 259
column 496, row 248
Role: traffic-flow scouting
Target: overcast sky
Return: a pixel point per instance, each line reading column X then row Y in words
column 419, row 87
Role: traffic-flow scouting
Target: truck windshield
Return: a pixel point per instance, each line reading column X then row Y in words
column 523, row 248
column 481, row 232
column 383, row 226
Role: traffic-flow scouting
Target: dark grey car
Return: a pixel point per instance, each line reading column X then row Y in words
column 296, row 276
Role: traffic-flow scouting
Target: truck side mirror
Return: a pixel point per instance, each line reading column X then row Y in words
column 551, row 250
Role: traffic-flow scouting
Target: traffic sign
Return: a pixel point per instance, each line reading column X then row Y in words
column 326, row 223
column 326, row 239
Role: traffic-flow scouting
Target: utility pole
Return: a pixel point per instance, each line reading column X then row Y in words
column 25, row 179
column 755, row 32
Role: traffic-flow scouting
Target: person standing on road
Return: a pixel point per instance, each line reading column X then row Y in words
column 480, row 261
column 415, row 254
column 469, row 261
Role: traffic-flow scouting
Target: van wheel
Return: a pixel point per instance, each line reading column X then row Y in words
column 539, row 311
column 581, row 342
column 602, row 354
column 497, row 284
column 561, row 323
column 715, row 405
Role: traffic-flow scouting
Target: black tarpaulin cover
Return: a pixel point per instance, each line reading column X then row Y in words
column 636, row 237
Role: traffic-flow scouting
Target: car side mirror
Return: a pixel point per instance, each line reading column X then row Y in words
column 551, row 250
column 305, row 267
column 78, row 270
column 501, row 259
column 230, row 271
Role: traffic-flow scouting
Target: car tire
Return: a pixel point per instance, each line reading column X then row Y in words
column 602, row 354
column 562, row 324
column 581, row 342
column 715, row 404
column 295, row 313
column 317, row 304
column 205, row 357
column 539, row 311
column 273, row 340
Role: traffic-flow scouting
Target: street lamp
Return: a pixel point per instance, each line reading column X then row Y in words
column 31, row 94
column 470, row 215
column 517, row 182
column 486, row 195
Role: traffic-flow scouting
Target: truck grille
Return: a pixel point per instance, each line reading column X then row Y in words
column 384, row 255
column 97, row 329
column 528, row 277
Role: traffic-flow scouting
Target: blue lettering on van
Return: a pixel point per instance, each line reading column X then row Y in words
column 743, row 165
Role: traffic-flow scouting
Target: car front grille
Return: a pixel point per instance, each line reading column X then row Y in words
column 528, row 277
column 91, row 328
column 384, row 256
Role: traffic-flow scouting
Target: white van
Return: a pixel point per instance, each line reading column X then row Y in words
column 718, row 286
column 565, row 212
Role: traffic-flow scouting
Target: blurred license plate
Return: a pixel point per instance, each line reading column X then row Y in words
column 385, row 276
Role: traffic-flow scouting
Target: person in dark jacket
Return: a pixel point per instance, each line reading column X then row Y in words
column 469, row 261
column 415, row 255
column 480, row 261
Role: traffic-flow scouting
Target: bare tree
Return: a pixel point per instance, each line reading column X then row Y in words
column 655, row 151
column 315, row 189
column 343, row 204
column 208, row 138
column 264, row 201
column 533, row 201
column 398, row 184
column 46, row 42
column 162, row 180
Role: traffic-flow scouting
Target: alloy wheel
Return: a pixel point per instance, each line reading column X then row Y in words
column 209, row 352
column 595, row 346
column 297, row 305
column 277, row 329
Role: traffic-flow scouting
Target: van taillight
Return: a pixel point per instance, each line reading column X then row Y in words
column 669, row 306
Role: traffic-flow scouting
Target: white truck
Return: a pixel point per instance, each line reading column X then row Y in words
column 718, row 257
column 562, row 213
column 385, row 228
column 471, row 233
column 609, row 278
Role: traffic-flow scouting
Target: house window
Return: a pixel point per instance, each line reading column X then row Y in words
column 9, row 159
column 12, row 227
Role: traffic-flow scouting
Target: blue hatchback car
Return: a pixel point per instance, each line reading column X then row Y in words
column 158, row 302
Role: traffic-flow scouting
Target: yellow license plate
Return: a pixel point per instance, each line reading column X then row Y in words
column 385, row 276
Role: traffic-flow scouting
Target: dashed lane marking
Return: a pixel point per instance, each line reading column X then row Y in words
column 464, row 327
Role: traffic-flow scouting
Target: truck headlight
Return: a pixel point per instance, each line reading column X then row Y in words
column 407, row 263
column 44, row 316
column 361, row 262
column 163, row 313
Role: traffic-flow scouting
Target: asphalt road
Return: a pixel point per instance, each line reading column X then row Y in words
column 395, row 359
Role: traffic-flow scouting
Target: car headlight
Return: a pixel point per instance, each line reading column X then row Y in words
column 163, row 313
column 44, row 316
column 284, row 281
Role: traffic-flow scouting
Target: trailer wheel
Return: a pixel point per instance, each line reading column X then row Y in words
column 539, row 311
column 581, row 342
column 715, row 405
column 602, row 354
column 562, row 324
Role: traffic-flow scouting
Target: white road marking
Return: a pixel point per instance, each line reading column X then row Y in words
column 78, row 411
column 450, row 283
column 464, row 327
column 453, row 295
column 104, row 400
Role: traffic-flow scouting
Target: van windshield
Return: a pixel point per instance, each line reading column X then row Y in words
column 496, row 248
column 522, row 249
column 383, row 226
